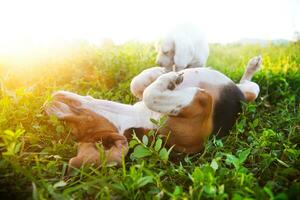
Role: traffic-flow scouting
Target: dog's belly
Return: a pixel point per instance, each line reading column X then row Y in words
column 205, row 78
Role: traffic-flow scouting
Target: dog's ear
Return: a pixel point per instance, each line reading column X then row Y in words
column 183, row 54
column 108, row 139
column 116, row 152
column 87, row 154
column 168, row 44
column 86, row 125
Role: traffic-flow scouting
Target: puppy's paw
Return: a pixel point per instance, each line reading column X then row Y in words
column 254, row 64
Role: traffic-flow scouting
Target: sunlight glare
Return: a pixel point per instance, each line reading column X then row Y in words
column 27, row 26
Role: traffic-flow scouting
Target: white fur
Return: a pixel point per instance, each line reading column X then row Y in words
column 253, row 66
column 159, row 98
column 192, row 77
column 145, row 78
column 246, row 85
column 189, row 47
column 249, row 86
column 204, row 75
column 122, row 116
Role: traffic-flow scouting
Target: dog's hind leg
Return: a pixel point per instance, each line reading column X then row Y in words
column 253, row 66
column 250, row 89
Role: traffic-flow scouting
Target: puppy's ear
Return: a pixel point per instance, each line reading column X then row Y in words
column 167, row 44
column 183, row 54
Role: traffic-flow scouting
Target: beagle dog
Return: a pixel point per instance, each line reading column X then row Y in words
column 196, row 101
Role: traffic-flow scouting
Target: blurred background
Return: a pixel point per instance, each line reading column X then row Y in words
column 39, row 28
column 51, row 41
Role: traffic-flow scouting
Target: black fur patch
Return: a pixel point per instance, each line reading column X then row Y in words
column 227, row 109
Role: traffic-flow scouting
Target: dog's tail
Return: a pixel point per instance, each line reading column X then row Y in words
column 252, row 67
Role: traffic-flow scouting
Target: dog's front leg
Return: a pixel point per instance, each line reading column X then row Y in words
column 145, row 78
column 163, row 96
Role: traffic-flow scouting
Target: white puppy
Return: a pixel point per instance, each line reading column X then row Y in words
column 183, row 47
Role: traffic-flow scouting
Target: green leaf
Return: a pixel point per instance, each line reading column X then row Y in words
column 233, row 160
column 59, row 129
column 219, row 143
column 221, row 189
column 158, row 144
column 282, row 163
column 162, row 120
column 133, row 143
column 255, row 123
column 141, row 152
column 210, row 189
column 163, row 154
column 34, row 191
column 17, row 148
column 154, row 121
column 197, row 176
column 151, row 133
column 144, row 181
column 177, row 191
column 120, row 187
column 269, row 192
column 236, row 196
column 243, row 155
column 60, row 184
column 214, row 164
column 145, row 140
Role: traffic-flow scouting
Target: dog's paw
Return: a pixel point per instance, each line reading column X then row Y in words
column 254, row 63
column 68, row 98
column 171, row 80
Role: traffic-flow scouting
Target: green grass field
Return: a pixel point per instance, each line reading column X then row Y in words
column 259, row 159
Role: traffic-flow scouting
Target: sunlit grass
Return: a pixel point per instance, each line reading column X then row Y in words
column 258, row 160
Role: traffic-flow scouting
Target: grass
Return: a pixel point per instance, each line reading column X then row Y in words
column 259, row 159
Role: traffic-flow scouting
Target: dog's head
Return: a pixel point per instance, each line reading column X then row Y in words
column 166, row 51
column 174, row 54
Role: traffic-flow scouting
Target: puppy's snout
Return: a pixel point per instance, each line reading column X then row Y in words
column 159, row 63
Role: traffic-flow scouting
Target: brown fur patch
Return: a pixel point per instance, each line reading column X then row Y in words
column 189, row 129
column 250, row 97
column 87, row 126
column 89, row 154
